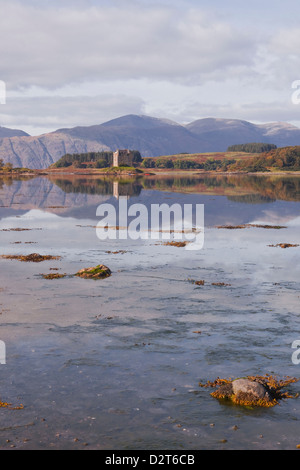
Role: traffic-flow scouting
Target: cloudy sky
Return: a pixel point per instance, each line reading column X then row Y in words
column 84, row 62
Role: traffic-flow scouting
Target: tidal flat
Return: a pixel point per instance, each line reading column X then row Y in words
column 115, row 363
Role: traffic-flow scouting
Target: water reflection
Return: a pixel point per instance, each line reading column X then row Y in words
column 250, row 189
column 116, row 364
column 244, row 196
column 240, row 188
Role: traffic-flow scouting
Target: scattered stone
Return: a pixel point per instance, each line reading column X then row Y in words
column 97, row 272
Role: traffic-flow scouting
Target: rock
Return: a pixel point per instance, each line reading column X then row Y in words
column 97, row 272
column 253, row 390
column 245, row 392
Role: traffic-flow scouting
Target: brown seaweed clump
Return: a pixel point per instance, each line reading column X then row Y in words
column 220, row 284
column 54, row 276
column 285, row 245
column 4, row 404
column 33, row 257
column 178, row 244
column 97, row 272
column 263, row 391
column 233, row 227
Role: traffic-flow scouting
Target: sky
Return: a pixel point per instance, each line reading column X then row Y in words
column 84, row 62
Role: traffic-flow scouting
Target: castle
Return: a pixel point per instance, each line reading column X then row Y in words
column 123, row 157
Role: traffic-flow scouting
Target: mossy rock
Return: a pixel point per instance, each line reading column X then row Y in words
column 97, row 272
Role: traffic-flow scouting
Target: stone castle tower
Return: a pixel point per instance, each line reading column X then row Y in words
column 122, row 157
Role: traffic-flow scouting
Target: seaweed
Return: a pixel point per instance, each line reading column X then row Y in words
column 273, row 387
column 33, row 257
column 284, row 245
column 233, row 227
column 54, row 276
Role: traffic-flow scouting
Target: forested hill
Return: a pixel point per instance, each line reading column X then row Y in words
column 287, row 158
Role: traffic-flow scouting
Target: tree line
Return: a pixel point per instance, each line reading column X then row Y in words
column 185, row 164
column 253, row 147
column 91, row 159
column 5, row 166
column 286, row 158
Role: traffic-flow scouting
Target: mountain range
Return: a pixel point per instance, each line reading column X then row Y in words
column 151, row 136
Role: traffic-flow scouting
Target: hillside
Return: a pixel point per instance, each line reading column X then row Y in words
column 6, row 132
column 41, row 152
column 151, row 136
column 285, row 159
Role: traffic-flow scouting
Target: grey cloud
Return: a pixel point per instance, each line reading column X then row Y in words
column 274, row 111
column 54, row 46
column 50, row 113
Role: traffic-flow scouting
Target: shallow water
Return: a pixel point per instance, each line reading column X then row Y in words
column 116, row 363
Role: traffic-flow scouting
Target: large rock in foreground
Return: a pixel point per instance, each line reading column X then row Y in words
column 245, row 392
column 252, row 390
column 97, row 272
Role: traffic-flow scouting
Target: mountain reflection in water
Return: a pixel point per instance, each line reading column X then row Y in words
column 78, row 196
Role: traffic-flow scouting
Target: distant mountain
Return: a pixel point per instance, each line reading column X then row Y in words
column 221, row 133
column 6, row 132
column 151, row 136
column 42, row 151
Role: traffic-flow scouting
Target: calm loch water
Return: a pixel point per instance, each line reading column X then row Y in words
column 116, row 363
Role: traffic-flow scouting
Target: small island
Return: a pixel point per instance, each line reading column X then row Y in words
column 241, row 158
